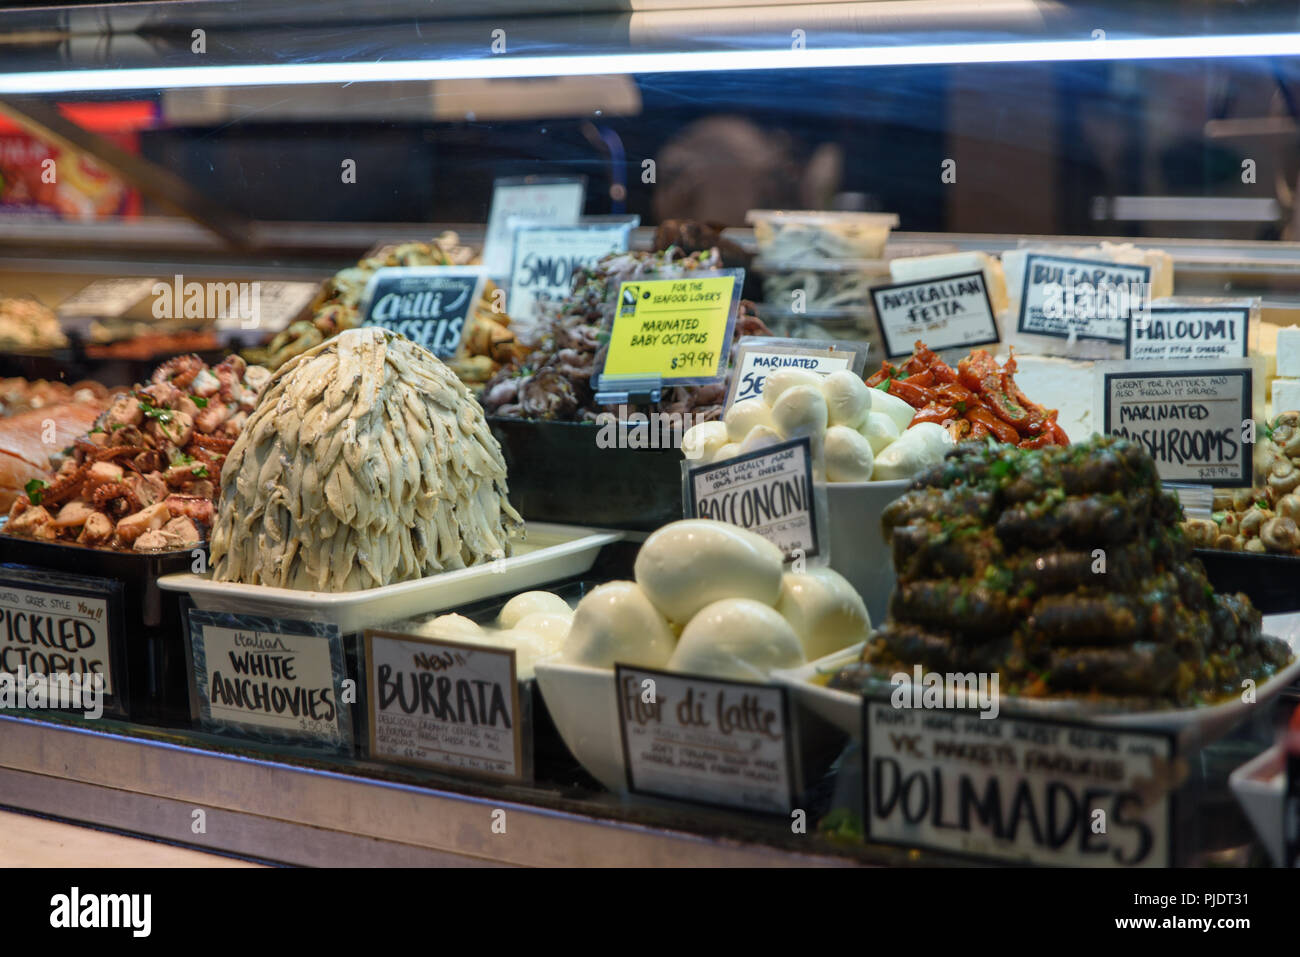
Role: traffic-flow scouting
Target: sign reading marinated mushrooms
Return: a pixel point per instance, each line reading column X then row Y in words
column 366, row 463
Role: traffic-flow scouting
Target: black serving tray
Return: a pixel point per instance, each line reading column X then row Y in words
column 157, row 666
column 1271, row 581
column 557, row 473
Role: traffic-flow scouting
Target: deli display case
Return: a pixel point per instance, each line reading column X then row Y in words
column 605, row 433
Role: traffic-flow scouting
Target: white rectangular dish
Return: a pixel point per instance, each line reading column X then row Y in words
column 1200, row 725
column 1259, row 786
column 549, row 553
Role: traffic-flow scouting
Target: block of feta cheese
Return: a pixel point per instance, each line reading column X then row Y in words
column 1062, row 384
column 920, row 268
column 1288, row 353
column 1286, row 395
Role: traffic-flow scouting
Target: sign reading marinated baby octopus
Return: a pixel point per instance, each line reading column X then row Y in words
column 1017, row 789
column 706, row 739
column 444, row 704
column 770, row 492
column 1195, row 420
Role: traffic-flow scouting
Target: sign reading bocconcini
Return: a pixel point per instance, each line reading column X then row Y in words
column 367, row 462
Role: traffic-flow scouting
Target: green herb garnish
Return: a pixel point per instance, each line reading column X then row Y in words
column 198, row 400
column 34, row 488
column 883, row 385
column 201, row 471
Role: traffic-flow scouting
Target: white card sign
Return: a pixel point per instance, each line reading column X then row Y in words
column 554, row 200
column 769, row 492
column 708, row 740
column 444, row 704
column 1064, row 297
column 757, row 357
column 1016, row 789
column 1193, row 420
column 947, row 312
column 545, row 259
column 1177, row 333
column 273, row 678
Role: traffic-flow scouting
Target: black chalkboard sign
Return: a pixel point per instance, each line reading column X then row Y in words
column 429, row 305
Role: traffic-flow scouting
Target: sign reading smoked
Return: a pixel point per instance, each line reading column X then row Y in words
column 271, row 678
column 947, row 312
column 1196, row 421
column 444, row 704
column 546, row 258
column 429, row 305
column 1175, row 332
column 706, row 739
column 1017, row 789
column 769, row 492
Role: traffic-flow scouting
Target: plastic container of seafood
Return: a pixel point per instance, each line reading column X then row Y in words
column 151, row 640
column 821, row 284
column 820, row 234
column 549, row 553
column 1270, row 581
column 560, row 473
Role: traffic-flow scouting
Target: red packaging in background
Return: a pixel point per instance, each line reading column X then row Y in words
column 82, row 189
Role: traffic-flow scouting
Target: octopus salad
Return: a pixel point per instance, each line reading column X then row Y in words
column 145, row 476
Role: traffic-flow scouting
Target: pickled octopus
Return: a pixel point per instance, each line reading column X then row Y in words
column 144, row 476
column 367, row 462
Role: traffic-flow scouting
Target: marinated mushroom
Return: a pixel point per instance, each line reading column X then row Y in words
column 1280, row 535
column 1254, row 545
column 1288, row 506
column 1228, row 543
column 1254, row 520
column 1201, row 531
column 1284, row 476
column 1292, row 445
column 1242, row 499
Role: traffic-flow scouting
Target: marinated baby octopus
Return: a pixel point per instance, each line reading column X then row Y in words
column 146, row 476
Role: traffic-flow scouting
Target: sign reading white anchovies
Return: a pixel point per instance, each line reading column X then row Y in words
column 1189, row 332
column 430, row 305
column 546, row 257
column 757, row 360
column 1093, row 298
column 769, row 492
column 1193, row 421
column 444, row 704
column 257, row 674
column 706, row 739
column 947, row 312
column 1016, row 789
column 555, row 200
column 58, row 625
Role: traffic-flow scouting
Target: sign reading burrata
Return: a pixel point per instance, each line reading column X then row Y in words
column 713, row 599
column 859, row 434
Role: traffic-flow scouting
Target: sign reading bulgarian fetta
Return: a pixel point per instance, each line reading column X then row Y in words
column 1085, row 298
column 1195, row 422
column 1016, row 789
column 769, row 492
column 430, row 305
column 1189, row 332
column 946, row 312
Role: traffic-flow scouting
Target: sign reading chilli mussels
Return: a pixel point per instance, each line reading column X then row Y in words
column 429, row 305
column 947, row 312
column 444, row 704
column 1017, row 789
column 1196, row 421
column 769, row 492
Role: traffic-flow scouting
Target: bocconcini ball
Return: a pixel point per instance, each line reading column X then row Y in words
column 848, row 399
column 848, row 455
column 801, row 410
column 616, row 622
column 775, row 385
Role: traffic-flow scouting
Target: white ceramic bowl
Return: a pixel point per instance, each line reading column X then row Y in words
column 584, row 706
column 858, row 549
column 1258, row 786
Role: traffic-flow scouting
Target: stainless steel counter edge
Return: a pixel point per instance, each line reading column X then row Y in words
column 285, row 813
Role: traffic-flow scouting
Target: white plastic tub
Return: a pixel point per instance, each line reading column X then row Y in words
column 820, row 234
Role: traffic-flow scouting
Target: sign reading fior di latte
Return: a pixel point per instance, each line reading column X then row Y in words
column 444, row 704
column 946, row 312
column 1015, row 788
column 429, row 305
column 1194, row 420
column 707, row 740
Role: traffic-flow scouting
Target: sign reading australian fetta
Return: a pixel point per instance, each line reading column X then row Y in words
column 445, row 704
column 430, row 305
column 946, row 312
column 1016, row 789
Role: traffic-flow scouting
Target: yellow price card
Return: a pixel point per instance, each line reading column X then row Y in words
column 677, row 329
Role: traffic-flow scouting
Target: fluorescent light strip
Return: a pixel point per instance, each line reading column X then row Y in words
column 505, row 66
